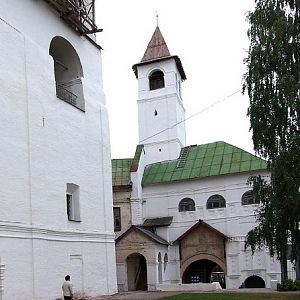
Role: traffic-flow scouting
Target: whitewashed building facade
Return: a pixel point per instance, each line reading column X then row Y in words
column 182, row 212
column 55, row 195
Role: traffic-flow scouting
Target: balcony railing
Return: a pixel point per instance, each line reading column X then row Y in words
column 64, row 92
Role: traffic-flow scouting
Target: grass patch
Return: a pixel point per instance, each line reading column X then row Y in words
column 233, row 296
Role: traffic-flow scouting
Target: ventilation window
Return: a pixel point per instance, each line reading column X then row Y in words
column 68, row 72
column 159, row 150
column 215, row 201
column 155, row 113
column 156, row 80
column 117, row 218
column 72, row 198
column 248, row 198
column 186, row 204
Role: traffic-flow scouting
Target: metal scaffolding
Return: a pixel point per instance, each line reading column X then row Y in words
column 79, row 14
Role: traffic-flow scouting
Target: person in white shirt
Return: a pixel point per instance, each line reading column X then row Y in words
column 67, row 289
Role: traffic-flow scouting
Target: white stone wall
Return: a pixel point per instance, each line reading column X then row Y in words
column 45, row 144
column 234, row 221
column 168, row 104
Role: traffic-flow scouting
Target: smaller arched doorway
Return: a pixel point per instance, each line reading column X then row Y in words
column 136, row 272
column 254, row 282
column 204, row 271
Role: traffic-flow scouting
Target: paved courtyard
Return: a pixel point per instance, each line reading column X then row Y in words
column 139, row 295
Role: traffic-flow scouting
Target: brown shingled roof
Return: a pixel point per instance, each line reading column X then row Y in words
column 157, row 50
column 158, row 222
column 157, row 47
column 149, row 234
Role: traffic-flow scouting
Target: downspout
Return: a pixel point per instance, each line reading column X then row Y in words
column 2, row 268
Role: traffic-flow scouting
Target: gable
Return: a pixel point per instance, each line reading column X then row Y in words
column 202, row 241
column 136, row 235
column 203, row 229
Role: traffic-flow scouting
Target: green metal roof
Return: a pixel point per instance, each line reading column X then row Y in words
column 121, row 172
column 206, row 160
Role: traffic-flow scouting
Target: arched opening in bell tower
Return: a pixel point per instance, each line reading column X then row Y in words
column 68, row 72
column 156, row 80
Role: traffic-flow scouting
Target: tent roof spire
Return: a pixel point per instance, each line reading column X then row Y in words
column 157, row 50
column 157, row 47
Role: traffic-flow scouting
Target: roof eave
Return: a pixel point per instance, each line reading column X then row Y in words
column 137, row 228
column 177, row 60
column 203, row 177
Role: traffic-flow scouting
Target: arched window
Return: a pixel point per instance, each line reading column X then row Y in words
column 68, row 72
column 215, row 201
column 186, row 204
column 248, row 198
column 165, row 261
column 156, row 80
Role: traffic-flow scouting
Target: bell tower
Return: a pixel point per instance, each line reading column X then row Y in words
column 161, row 112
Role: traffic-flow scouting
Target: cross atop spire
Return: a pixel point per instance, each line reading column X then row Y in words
column 157, row 47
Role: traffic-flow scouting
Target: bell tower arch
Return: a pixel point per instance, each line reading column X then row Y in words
column 161, row 112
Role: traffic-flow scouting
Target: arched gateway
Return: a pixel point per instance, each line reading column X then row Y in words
column 205, row 271
column 202, row 255
column 254, row 282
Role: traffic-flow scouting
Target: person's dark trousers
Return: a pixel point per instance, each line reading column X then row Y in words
column 68, row 297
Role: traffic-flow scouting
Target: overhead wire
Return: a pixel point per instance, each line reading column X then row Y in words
column 193, row 115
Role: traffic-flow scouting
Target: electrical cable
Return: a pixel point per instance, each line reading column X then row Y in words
column 193, row 115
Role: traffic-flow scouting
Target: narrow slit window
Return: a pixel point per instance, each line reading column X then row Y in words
column 117, row 218
column 72, row 199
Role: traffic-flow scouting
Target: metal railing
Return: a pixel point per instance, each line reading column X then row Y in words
column 66, row 95
column 71, row 92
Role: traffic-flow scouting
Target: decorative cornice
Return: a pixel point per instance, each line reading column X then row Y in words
column 25, row 231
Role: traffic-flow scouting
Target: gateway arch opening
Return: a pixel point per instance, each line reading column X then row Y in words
column 254, row 282
column 204, row 271
column 136, row 272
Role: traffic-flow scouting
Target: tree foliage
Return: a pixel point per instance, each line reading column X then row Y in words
column 272, row 81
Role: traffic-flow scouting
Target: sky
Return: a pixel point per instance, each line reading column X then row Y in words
column 210, row 38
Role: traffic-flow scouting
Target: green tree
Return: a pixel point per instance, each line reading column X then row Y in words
column 272, row 82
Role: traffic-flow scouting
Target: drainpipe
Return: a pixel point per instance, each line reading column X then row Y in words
column 2, row 268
